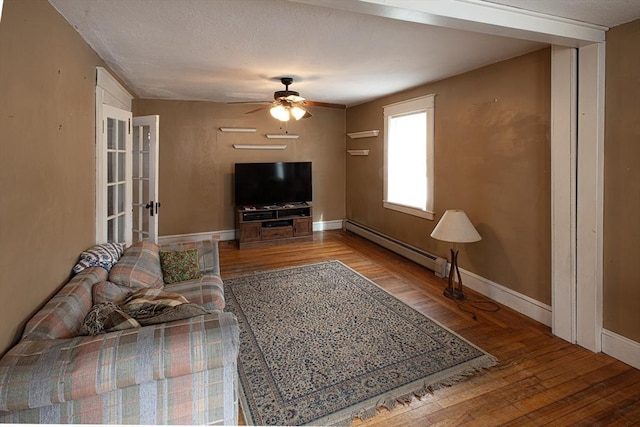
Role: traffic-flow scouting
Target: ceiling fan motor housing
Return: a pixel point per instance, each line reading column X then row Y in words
column 286, row 81
column 284, row 93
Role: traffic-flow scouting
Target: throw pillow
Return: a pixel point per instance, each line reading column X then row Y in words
column 178, row 266
column 150, row 302
column 179, row 312
column 139, row 267
column 106, row 317
column 104, row 255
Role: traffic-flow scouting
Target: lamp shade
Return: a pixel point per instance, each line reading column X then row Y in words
column 280, row 113
column 297, row 112
column 454, row 226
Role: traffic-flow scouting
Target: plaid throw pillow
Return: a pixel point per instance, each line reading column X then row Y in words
column 178, row 266
column 104, row 255
column 139, row 267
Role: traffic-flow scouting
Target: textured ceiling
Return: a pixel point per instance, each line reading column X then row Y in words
column 235, row 50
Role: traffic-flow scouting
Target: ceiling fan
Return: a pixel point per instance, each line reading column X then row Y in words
column 288, row 104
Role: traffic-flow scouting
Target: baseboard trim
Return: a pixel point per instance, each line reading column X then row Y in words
column 328, row 225
column 432, row 262
column 512, row 299
column 622, row 348
column 231, row 234
column 197, row 237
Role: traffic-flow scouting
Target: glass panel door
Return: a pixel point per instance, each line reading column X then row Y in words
column 146, row 206
column 115, row 200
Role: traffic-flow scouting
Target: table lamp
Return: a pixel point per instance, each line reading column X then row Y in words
column 455, row 227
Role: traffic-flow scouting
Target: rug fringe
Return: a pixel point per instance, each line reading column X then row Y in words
column 426, row 388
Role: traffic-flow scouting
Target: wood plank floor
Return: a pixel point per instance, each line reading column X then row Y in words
column 540, row 379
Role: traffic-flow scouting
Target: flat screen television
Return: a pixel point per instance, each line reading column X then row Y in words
column 264, row 184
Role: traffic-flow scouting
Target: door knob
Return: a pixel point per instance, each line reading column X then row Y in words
column 150, row 206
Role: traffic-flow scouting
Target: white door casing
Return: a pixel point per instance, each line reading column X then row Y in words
column 109, row 94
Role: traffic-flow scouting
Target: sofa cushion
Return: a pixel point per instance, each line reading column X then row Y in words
column 106, row 317
column 139, row 267
column 178, row 266
column 104, row 255
column 208, row 291
column 62, row 315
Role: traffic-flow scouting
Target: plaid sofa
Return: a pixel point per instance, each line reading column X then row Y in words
column 180, row 372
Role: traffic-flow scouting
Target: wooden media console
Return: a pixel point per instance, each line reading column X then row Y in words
column 273, row 224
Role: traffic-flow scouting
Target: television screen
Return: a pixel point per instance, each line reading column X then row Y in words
column 263, row 184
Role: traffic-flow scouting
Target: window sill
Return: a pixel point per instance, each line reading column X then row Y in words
column 409, row 210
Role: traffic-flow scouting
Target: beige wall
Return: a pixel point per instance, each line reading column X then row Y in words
column 196, row 159
column 621, row 288
column 47, row 183
column 492, row 155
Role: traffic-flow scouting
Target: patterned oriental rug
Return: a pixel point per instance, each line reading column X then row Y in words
column 320, row 344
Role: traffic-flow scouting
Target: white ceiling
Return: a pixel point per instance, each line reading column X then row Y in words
column 235, row 50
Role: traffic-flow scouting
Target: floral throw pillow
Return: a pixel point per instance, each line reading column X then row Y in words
column 107, row 317
column 178, row 266
column 104, row 255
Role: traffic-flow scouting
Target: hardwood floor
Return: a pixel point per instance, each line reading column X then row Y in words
column 540, row 379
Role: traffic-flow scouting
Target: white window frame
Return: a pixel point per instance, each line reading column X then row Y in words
column 421, row 104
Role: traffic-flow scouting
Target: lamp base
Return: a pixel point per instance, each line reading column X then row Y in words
column 453, row 293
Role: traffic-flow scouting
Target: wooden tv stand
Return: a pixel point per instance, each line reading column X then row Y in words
column 266, row 225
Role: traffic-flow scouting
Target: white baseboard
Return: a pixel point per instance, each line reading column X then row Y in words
column 419, row 256
column 622, row 348
column 512, row 299
column 328, row 225
column 231, row 234
column 197, row 237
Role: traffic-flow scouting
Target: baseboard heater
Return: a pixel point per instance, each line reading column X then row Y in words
column 425, row 259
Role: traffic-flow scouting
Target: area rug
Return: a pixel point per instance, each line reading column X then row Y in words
column 321, row 344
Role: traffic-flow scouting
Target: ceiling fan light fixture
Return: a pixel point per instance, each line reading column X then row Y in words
column 280, row 112
column 297, row 112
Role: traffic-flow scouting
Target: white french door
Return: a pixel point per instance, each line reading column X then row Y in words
column 113, row 204
column 145, row 178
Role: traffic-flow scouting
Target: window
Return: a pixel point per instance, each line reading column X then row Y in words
column 408, row 152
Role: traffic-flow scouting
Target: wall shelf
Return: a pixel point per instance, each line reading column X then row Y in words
column 282, row 136
column 358, row 152
column 363, row 134
column 239, row 130
column 258, row 147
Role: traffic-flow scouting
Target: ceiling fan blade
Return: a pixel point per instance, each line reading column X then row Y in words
column 249, row 102
column 257, row 109
column 325, row 104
